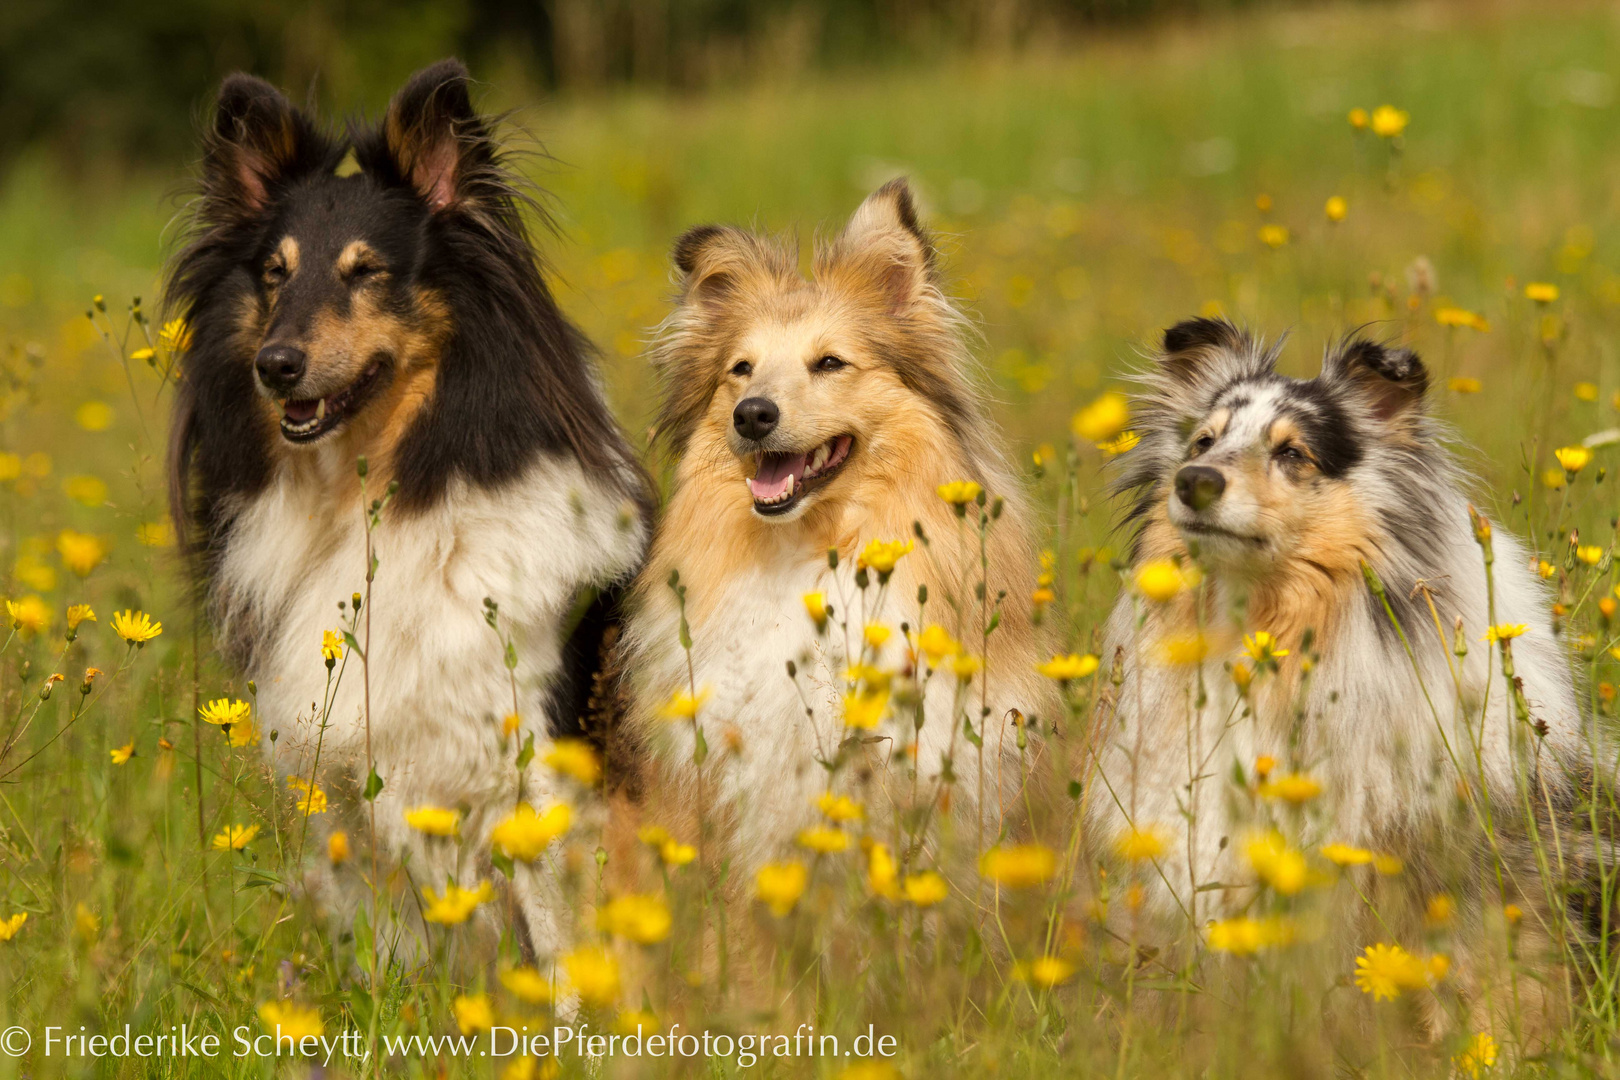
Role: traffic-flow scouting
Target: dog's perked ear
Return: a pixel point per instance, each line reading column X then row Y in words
column 438, row 143
column 1390, row 382
column 1198, row 357
column 885, row 244
column 716, row 261
column 258, row 140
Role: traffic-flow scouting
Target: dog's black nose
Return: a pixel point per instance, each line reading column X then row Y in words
column 279, row 367
column 755, row 417
column 1199, row 485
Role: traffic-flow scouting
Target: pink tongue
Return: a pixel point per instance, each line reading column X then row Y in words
column 774, row 470
column 299, row 411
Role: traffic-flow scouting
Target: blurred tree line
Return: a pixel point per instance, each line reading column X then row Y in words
column 129, row 78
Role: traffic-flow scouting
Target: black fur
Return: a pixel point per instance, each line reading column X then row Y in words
column 514, row 379
column 1193, row 333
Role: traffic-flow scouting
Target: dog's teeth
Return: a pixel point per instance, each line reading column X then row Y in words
column 789, row 493
column 320, row 411
column 819, row 459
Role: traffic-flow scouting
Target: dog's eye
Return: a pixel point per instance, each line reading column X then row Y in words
column 742, row 367
column 275, row 274
column 829, row 363
column 1290, row 453
column 362, row 271
column 1203, row 442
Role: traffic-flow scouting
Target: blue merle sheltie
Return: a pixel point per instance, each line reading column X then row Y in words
column 374, row 294
column 1322, row 671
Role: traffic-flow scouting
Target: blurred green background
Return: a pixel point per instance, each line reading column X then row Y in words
column 1095, row 171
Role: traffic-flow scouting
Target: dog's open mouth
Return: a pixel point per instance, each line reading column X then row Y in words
column 1199, row 528
column 307, row 419
column 783, row 479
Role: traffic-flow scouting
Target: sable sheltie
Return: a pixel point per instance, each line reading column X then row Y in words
column 810, row 418
column 1328, row 514
column 375, row 296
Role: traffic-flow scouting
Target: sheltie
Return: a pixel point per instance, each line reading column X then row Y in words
column 373, row 338
column 840, row 641
column 1311, row 670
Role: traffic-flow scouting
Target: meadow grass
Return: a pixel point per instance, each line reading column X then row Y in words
column 1084, row 200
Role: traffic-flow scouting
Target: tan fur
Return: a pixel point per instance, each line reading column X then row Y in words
column 908, row 401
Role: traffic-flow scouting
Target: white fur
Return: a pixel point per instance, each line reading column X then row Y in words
column 1378, row 750
column 740, row 654
column 438, row 685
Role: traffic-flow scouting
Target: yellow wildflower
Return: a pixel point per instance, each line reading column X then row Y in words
column 779, row 885
column 1388, row 122
column 1182, row 649
column 9, row 927
column 1358, row 118
column 235, row 837
column 882, row 875
column 925, row 889
column 1513, row 914
column 1456, row 316
column 1505, row 632
column 311, row 797
column 1262, row 646
column 1105, row 417
column 1336, row 208
column 1585, row 391
column 175, row 335
column 155, row 534
column 965, row 666
column 1546, row 569
column 1047, row 971
column 290, row 1020
column 815, row 604
column 1245, row 935
column 644, row 919
column 135, row 627
column 223, row 712
column 1122, row 443
column 331, row 646
column 85, row 490
column 881, row 555
column 1295, row 788
column 1590, row 554
column 1542, row 292
column 876, row 635
column 526, row 984
column 684, row 705
column 1388, row 865
column 1160, row 580
column 525, row 834
column 457, row 904
column 473, row 1013
column 1385, row 970
column 1345, row 855
column 959, row 492
column 434, row 820
column 1273, row 235
column 574, row 758
column 839, row 807
column 1277, row 864
column 1477, row 1055
column 1021, row 866
column 936, row 644
column 337, row 847
column 1142, row 844
column 81, row 552
column 593, row 974
column 1573, row 458
column 823, row 839
column 1440, row 910
column 79, row 613
column 1068, row 668
column 28, row 615
column 864, row 709
column 122, row 754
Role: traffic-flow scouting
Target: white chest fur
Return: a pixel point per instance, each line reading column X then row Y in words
column 439, row 687
column 769, row 736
